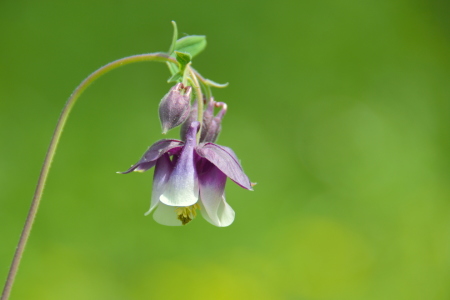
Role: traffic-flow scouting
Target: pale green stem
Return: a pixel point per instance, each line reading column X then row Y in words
column 162, row 57
column 198, row 92
column 186, row 73
column 208, row 93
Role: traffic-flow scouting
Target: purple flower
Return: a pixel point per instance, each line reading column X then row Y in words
column 193, row 179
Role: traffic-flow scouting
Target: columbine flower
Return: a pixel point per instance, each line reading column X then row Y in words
column 193, row 179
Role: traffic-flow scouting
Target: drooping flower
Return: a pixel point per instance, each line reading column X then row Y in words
column 193, row 179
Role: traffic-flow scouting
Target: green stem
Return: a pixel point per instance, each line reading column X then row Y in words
column 162, row 57
column 186, row 72
column 206, row 90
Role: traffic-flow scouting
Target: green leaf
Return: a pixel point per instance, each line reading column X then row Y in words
column 183, row 58
column 177, row 77
column 192, row 44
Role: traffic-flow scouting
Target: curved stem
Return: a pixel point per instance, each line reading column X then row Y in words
column 207, row 92
column 162, row 57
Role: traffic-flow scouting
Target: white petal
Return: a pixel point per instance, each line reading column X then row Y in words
column 209, row 203
column 214, row 207
column 225, row 213
column 166, row 215
column 180, row 190
column 221, row 215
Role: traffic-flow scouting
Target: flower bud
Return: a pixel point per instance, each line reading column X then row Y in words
column 208, row 114
column 174, row 107
column 211, row 126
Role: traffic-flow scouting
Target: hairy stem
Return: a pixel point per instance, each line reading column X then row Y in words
column 162, row 57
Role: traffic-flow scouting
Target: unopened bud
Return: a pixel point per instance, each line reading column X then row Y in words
column 208, row 114
column 174, row 107
column 212, row 126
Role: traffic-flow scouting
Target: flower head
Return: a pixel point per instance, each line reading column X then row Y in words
column 190, row 176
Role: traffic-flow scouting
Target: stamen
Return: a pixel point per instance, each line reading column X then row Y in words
column 187, row 213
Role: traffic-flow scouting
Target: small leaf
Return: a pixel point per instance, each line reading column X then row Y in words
column 177, row 77
column 183, row 58
column 192, row 44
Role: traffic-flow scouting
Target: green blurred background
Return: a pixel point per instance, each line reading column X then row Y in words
column 338, row 109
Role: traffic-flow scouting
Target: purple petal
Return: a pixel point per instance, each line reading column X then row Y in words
column 182, row 187
column 214, row 208
column 225, row 159
column 149, row 158
column 163, row 169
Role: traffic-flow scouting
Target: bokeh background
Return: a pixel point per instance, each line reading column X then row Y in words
column 339, row 110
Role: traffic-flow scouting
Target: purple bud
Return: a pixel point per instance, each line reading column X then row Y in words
column 208, row 114
column 174, row 107
column 211, row 126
